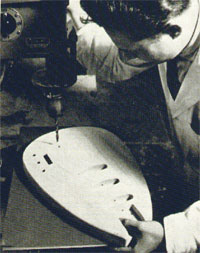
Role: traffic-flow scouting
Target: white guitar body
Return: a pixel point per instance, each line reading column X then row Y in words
column 91, row 174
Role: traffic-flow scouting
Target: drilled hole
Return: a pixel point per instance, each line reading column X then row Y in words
column 98, row 167
column 110, row 182
column 34, row 154
column 38, row 162
column 105, row 166
column 130, row 196
column 123, row 198
column 116, row 181
column 43, row 170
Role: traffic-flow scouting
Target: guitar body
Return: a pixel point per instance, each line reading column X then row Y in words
column 92, row 175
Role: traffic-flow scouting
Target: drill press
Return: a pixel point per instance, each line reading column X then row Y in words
column 37, row 29
column 60, row 73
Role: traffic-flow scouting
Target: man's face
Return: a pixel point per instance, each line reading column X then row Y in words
column 147, row 51
column 162, row 47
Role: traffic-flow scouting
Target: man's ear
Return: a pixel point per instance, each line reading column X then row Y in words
column 173, row 30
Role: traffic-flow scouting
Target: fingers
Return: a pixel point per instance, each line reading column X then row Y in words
column 74, row 4
column 132, row 226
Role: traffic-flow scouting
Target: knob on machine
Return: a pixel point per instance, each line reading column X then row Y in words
column 11, row 24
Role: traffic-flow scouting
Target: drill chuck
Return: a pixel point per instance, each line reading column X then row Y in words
column 54, row 106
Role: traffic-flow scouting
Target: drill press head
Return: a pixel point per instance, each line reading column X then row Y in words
column 37, row 29
column 31, row 28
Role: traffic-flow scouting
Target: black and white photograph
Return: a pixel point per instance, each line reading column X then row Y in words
column 100, row 126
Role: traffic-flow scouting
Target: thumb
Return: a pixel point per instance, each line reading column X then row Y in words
column 152, row 228
column 132, row 227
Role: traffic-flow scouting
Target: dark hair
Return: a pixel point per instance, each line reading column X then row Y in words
column 137, row 18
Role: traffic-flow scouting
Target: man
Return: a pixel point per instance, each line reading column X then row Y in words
column 143, row 34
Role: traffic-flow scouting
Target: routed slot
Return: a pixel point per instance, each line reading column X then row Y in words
column 110, row 181
column 125, row 197
column 134, row 211
column 47, row 159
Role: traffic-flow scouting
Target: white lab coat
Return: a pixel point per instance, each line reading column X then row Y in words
column 97, row 52
column 182, row 230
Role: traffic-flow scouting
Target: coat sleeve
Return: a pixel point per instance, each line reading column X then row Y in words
column 182, row 230
column 99, row 55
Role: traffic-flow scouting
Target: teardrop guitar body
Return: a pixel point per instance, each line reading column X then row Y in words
column 92, row 175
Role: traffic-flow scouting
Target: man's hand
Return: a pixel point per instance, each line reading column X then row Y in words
column 149, row 234
column 76, row 13
column 74, row 5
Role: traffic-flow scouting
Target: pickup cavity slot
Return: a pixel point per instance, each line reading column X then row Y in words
column 47, row 159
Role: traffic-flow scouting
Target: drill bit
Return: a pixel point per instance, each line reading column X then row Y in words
column 57, row 129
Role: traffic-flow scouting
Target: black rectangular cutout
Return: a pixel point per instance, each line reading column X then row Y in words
column 47, row 159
